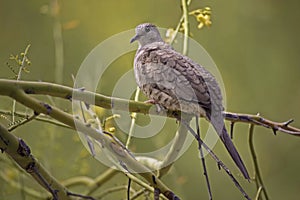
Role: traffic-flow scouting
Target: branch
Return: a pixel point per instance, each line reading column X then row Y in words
column 22, row 66
column 185, row 26
column 260, row 121
column 258, row 179
column 110, row 143
column 29, row 87
column 133, row 119
column 214, row 156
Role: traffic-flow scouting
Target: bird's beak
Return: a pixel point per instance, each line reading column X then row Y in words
column 134, row 38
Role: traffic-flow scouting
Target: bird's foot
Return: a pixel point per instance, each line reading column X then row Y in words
column 151, row 101
column 159, row 108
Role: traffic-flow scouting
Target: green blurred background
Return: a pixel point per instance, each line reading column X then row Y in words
column 255, row 45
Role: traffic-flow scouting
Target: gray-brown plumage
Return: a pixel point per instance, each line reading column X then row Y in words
column 176, row 82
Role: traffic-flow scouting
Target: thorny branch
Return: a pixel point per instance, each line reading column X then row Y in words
column 260, row 121
column 65, row 92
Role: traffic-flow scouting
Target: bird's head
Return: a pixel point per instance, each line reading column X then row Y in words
column 146, row 34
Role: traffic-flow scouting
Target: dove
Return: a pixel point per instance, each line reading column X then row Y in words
column 174, row 81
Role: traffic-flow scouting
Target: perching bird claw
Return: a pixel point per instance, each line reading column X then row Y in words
column 159, row 108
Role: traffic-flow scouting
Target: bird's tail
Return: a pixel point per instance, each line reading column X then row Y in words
column 232, row 151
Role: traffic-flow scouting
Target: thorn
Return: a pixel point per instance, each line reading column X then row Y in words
column 154, row 179
column 23, row 149
column 69, row 97
column 288, row 122
column 219, row 166
column 29, row 91
column 30, row 168
column 274, row 131
column 81, row 89
column 48, row 107
column 231, row 129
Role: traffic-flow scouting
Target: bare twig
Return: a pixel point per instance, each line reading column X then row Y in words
column 23, row 62
column 258, row 193
column 80, row 195
column 258, row 179
column 214, row 156
column 260, row 121
column 133, row 119
column 128, row 189
column 203, row 160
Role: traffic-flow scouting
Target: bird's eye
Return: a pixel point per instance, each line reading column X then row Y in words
column 147, row 29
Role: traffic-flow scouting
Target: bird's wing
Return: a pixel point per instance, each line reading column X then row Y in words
column 178, row 76
column 166, row 74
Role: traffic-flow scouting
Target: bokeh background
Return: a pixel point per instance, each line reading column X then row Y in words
column 255, row 45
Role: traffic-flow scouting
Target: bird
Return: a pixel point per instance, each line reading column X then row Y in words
column 176, row 82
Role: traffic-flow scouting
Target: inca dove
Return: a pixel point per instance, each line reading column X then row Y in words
column 175, row 82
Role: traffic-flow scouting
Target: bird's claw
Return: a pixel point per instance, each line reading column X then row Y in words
column 151, row 101
column 159, row 108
